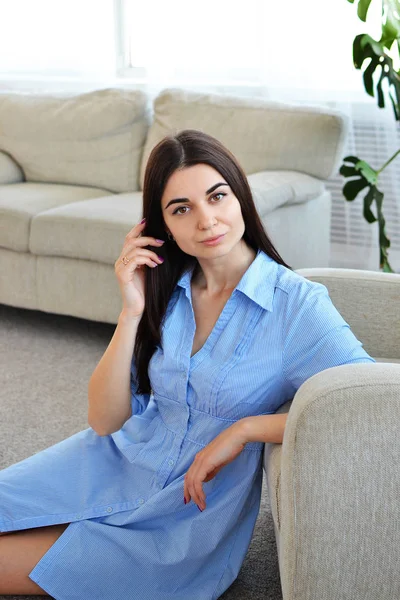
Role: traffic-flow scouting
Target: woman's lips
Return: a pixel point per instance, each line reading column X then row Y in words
column 213, row 241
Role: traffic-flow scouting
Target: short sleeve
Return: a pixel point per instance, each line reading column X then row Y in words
column 316, row 337
column 139, row 402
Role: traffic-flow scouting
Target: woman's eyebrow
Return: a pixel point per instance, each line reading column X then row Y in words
column 212, row 188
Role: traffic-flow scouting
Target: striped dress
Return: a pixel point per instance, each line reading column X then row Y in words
column 130, row 534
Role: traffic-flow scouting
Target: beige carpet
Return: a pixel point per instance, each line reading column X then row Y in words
column 46, row 363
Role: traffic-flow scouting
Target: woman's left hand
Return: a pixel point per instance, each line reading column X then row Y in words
column 210, row 460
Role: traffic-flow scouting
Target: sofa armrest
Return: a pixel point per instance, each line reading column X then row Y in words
column 10, row 171
column 271, row 189
column 369, row 301
column 340, row 486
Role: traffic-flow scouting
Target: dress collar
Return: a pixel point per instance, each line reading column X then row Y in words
column 257, row 282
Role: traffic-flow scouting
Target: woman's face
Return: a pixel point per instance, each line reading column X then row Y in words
column 195, row 208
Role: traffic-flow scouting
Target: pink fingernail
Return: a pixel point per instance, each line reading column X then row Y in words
column 184, row 499
column 199, row 509
column 142, row 221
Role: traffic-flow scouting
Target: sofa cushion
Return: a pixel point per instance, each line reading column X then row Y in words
column 95, row 229
column 272, row 189
column 10, row 172
column 93, row 139
column 90, row 229
column 20, row 202
column 260, row 133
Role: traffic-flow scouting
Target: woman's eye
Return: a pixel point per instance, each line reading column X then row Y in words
column 219, row 194
column 176, row 211
column 182, row 207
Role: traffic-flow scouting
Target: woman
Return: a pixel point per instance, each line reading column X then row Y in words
column 216, row 332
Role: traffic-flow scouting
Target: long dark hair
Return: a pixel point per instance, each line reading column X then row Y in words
column 184, row 149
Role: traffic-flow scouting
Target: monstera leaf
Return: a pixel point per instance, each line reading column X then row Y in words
column 366, row 48
column 364, row 176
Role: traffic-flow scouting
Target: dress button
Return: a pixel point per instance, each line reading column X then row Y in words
column 109, row 509
column 141, row 501
column 78, row 516
column 171, row 462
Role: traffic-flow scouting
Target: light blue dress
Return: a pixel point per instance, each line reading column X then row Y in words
column 130, row 533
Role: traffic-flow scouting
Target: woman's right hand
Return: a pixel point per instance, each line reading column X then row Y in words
column 131, row 276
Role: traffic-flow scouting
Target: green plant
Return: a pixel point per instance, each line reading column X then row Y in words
column 377, row 52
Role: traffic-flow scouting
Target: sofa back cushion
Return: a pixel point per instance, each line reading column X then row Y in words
column 263, row 135
column 94, row 139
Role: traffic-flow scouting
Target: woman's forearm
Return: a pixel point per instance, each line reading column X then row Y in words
column 109, row 392
column 264, row 428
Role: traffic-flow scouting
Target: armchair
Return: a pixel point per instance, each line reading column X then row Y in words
column 334, row 483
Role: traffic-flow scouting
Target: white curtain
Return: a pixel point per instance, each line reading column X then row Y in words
column 290, row 45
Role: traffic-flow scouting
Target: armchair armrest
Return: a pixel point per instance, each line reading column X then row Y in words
column 10, row 171
column 340, row 486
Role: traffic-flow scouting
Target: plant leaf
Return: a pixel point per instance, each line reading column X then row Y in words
column 362, row 9
column 381, row 100
column 353, row 187
column 364, row 46
column 368, row 77
column 352, row 159
column 367, row 171
column 369, row 198
column 348, row 171
column 394, row 104
column 358, row 51
column 391, row 26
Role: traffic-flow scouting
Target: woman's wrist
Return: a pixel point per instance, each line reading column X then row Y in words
column 128, row 314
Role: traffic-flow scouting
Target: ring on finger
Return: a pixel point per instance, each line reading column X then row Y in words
column 125, row 260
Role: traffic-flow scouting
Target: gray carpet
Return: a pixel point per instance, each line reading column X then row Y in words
column 46, row 364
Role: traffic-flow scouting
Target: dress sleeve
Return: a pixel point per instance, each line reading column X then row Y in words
column 316, row 337
column 139, row 402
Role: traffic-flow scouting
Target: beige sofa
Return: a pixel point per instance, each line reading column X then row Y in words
column 71, row 174
column 334, row 482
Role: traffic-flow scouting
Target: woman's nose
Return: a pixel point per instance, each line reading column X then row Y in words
column 206, row 219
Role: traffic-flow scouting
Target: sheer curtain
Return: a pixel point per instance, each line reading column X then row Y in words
column 53, row 38
column 300, row 48
column 297, row 48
